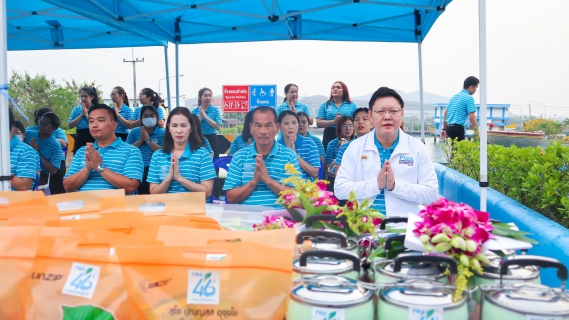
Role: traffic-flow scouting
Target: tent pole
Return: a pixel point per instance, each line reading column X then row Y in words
column 421, row 91
column 483, row 105
column 177, row 79
column 167, row 77
column 4, row 129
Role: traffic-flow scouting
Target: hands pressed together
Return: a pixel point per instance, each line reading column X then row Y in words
column 261, row 173
column 385, row 178
column 92, row 157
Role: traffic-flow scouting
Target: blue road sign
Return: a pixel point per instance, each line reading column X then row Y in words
column 263, row 95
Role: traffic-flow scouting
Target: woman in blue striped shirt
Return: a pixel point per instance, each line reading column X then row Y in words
column 303, row 131
column 149, row 137
column 79, row 117
column 305, row 148
column 344, row 133
column 210, row 117
column 123, row 111
column 245, row 138
column 183, row 164
column 331, row 111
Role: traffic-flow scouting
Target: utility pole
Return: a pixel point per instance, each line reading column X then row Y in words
column 529, row 115
column 134, row 76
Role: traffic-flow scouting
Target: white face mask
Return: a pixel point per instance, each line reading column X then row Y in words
column 149, row 122
column 20, row 137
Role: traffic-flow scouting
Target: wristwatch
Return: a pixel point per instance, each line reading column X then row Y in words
column 101, row 167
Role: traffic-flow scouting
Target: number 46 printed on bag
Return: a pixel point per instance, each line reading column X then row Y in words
column 82, row 280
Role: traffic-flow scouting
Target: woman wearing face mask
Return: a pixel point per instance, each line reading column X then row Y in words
column 79, row 117
column 244, row 139
column 184, row 165
column 303, row 131
column 49, row 150
column 210, row 118
column 146, row 97
column 305, row 148
column 123, row 112
column 291, row 103
column 344, row 133
column 24, row 160
column 363, row 126
column 331, row 111
column 18, row 131
column 149, row 137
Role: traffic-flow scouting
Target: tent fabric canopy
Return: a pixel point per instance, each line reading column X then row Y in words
column 220, row 21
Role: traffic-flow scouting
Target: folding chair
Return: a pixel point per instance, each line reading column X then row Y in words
column 219, row 163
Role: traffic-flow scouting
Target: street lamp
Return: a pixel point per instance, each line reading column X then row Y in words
column 159, row 82
column 544, row 106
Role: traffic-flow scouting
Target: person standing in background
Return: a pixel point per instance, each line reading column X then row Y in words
column 123, row 112
column 291, row 103
column 210, row 118
column 79, row 117
column 331, row 111
column 148, row 96
column 459, row 109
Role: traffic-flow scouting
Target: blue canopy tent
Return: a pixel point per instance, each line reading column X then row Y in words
column 124, row 23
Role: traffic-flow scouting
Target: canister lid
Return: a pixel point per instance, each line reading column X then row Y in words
column 330, row 291
column 413, row 269
column 420, row 293
column 326, row 265
column 492, row 271
column 530, row 298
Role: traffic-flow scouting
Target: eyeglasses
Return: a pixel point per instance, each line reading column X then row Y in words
column 43, row 124
column 382, row 113
column 141, row 95
column 346, row 126
column 113, row 95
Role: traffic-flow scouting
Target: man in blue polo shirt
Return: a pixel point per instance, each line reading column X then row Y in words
column 256, row 171
column 460, row 107
column 109, row 163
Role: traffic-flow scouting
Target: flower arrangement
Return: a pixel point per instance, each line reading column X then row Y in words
column 271, row 223
column 361, row 217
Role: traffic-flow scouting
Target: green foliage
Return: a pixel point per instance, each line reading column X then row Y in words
column 233, row 130
column 85, row 312
column 537, row 178
column 549, row 127
column 32, row 93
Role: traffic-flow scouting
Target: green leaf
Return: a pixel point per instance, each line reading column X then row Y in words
column 85, row 313
column 88, row 271
column 207, row 275
column 332, row 315
column 430, row 313
column 333, row 227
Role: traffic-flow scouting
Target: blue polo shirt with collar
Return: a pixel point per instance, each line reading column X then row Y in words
column 384, row 154
column 332, row 150
column 459, row 107
column 58, row 134
column 157, row 136
column 49, row 149
column 195, row 166
column 237, row 144
column 160, row 110
column 318, row 142
column 242, row 169
column 307, row 150
column 214, row 114
column 120, row 157
column 76, row 112
column 127, row 113
column 329, row 111
column 300, row 107
column 24, row 160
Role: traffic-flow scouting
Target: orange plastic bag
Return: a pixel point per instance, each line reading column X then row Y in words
column 117, row 222
column 18, row 246
column 81, row 202
column 29, row 215
column 232, row 280
column 26, row 198
column 183, row 203
column 98, row 215
column 76, row 275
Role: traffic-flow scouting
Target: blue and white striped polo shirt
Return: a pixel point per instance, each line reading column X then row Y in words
column 58, row 134
column 332, row 150
column 24, row 160
column 120, row 157
column 49, row 149
column 330, row 111
column 237, row 144
column 343, row 148
column 195, row 166
column 127, row 113
column 76, row 112
column 157, row 136
column 159, row 110
column 208, row 146
column 460, row 105
column 213, row 113
column 242, row 169
column 318, row 142
column 384, row 154
column 300, row 107
column 306, row 149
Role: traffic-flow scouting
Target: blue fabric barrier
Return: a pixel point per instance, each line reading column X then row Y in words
column 552, row 237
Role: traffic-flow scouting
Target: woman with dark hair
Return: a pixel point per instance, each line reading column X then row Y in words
column 49, row 150
column 245, row 138
column 291, row 103
column 24, row 160
column 344, row 133
column 210, row 117
column 149, row 137
column 59, row 134
column 332, row 110
column 305, row 148
column 17, row 130
column 183, row 165
column 148, row 96
column 79, row 117
column 202, row 137
column 303, row 131
column 123, row 112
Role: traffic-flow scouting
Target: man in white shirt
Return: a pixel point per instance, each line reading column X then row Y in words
column 388, row 166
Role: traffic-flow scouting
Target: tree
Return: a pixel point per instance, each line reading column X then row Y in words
column 565, row 123
column 549, row 127
column 32, row 93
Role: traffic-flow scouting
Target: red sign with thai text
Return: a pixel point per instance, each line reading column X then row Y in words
column 236, row 98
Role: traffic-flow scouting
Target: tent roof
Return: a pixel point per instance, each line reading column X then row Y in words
column 219, row 21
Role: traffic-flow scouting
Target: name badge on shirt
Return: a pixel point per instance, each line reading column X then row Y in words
column 406, row 160
column 364, row 158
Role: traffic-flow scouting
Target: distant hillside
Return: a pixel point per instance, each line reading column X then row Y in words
column 428, row 97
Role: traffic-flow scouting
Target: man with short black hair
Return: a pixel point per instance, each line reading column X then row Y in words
column 459, row 109
column 109, row 163
column 391, row 168
column 256, row 171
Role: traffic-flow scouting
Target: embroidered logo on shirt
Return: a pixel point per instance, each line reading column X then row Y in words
column 406, row 160
column 163, row 172
column 248, row 167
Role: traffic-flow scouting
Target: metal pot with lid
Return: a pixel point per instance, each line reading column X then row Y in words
column 326, row 263
column 351, row 243
column 330, row 296
column 415, row 265
column 525, row 300
column 516, row 273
